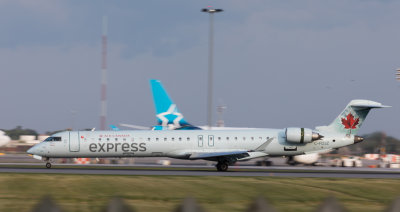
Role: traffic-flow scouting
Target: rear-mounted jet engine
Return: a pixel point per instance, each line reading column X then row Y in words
column 301, row 135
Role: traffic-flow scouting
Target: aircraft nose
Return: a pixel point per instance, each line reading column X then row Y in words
column 32, row 150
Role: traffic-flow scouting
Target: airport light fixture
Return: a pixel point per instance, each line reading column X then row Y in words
column 210, row 11
column 398, row 74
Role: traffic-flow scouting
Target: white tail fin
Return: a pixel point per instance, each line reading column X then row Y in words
column 352, row 117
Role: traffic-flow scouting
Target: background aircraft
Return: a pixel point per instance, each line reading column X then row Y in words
column 4, row 139
column 169, row 117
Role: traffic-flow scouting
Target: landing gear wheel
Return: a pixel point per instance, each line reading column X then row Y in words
column 48, row 165
column 222, row 166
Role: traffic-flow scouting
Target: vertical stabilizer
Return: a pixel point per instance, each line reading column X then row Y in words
column 166, row 110
column 352, row 117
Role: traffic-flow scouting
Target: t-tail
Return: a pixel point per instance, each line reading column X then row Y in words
column 167, row 112
column 352, row 117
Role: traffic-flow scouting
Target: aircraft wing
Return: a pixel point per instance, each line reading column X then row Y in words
column 135, row 126
column 208, row 155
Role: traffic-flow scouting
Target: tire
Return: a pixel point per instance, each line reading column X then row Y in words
column 48, row 165
column 222, row 166
column 218, row 167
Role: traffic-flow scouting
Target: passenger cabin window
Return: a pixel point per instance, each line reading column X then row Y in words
column 188, row 139
column 116, row 139
column 148, row 139
column 227, row 138
column 53, row 139
column 108, row 139
column 235, row 138
column 165, row 139
column 219, row 138
column 244, row 138
column 180, row 139
column 252, row 138
column 99, row 139
column 173, row 139
column 156, row 139
column 124, row 139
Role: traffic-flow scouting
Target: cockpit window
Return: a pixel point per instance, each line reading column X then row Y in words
column 51, row 138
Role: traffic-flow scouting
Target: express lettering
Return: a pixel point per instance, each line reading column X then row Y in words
column 115, row 147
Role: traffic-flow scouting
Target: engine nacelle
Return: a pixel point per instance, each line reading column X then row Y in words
column 301, row 135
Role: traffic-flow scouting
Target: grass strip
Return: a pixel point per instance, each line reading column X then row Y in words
column 20, row 192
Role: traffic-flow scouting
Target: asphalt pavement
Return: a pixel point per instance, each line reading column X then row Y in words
column 190, row 170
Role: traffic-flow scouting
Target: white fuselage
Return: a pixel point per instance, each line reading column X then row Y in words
column 180, row 143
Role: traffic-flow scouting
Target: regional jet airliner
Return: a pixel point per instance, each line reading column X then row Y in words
column 223, row 146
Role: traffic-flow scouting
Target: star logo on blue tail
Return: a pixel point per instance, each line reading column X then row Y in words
column 171, row 115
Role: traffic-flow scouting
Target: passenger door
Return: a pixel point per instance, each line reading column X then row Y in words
column 74, row 142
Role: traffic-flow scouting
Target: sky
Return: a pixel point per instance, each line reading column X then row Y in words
column 277, row 64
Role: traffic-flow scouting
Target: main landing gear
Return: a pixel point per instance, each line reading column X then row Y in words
column 48, row 164
column 222, row 165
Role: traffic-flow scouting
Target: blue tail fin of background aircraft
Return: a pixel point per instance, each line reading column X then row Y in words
column 114, row 128
column 166, row 111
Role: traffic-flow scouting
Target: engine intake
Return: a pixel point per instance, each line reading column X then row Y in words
column 301, row 135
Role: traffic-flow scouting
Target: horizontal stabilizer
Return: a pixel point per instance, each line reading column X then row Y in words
column 205, row 155
column 358, row 103
column 370, row 106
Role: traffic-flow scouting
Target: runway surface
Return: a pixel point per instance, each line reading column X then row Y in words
column 157, row 170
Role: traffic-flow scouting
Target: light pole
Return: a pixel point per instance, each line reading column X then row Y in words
column 210, row 11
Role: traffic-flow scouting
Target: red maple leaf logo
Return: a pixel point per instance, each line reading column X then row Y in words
column 349, row 122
